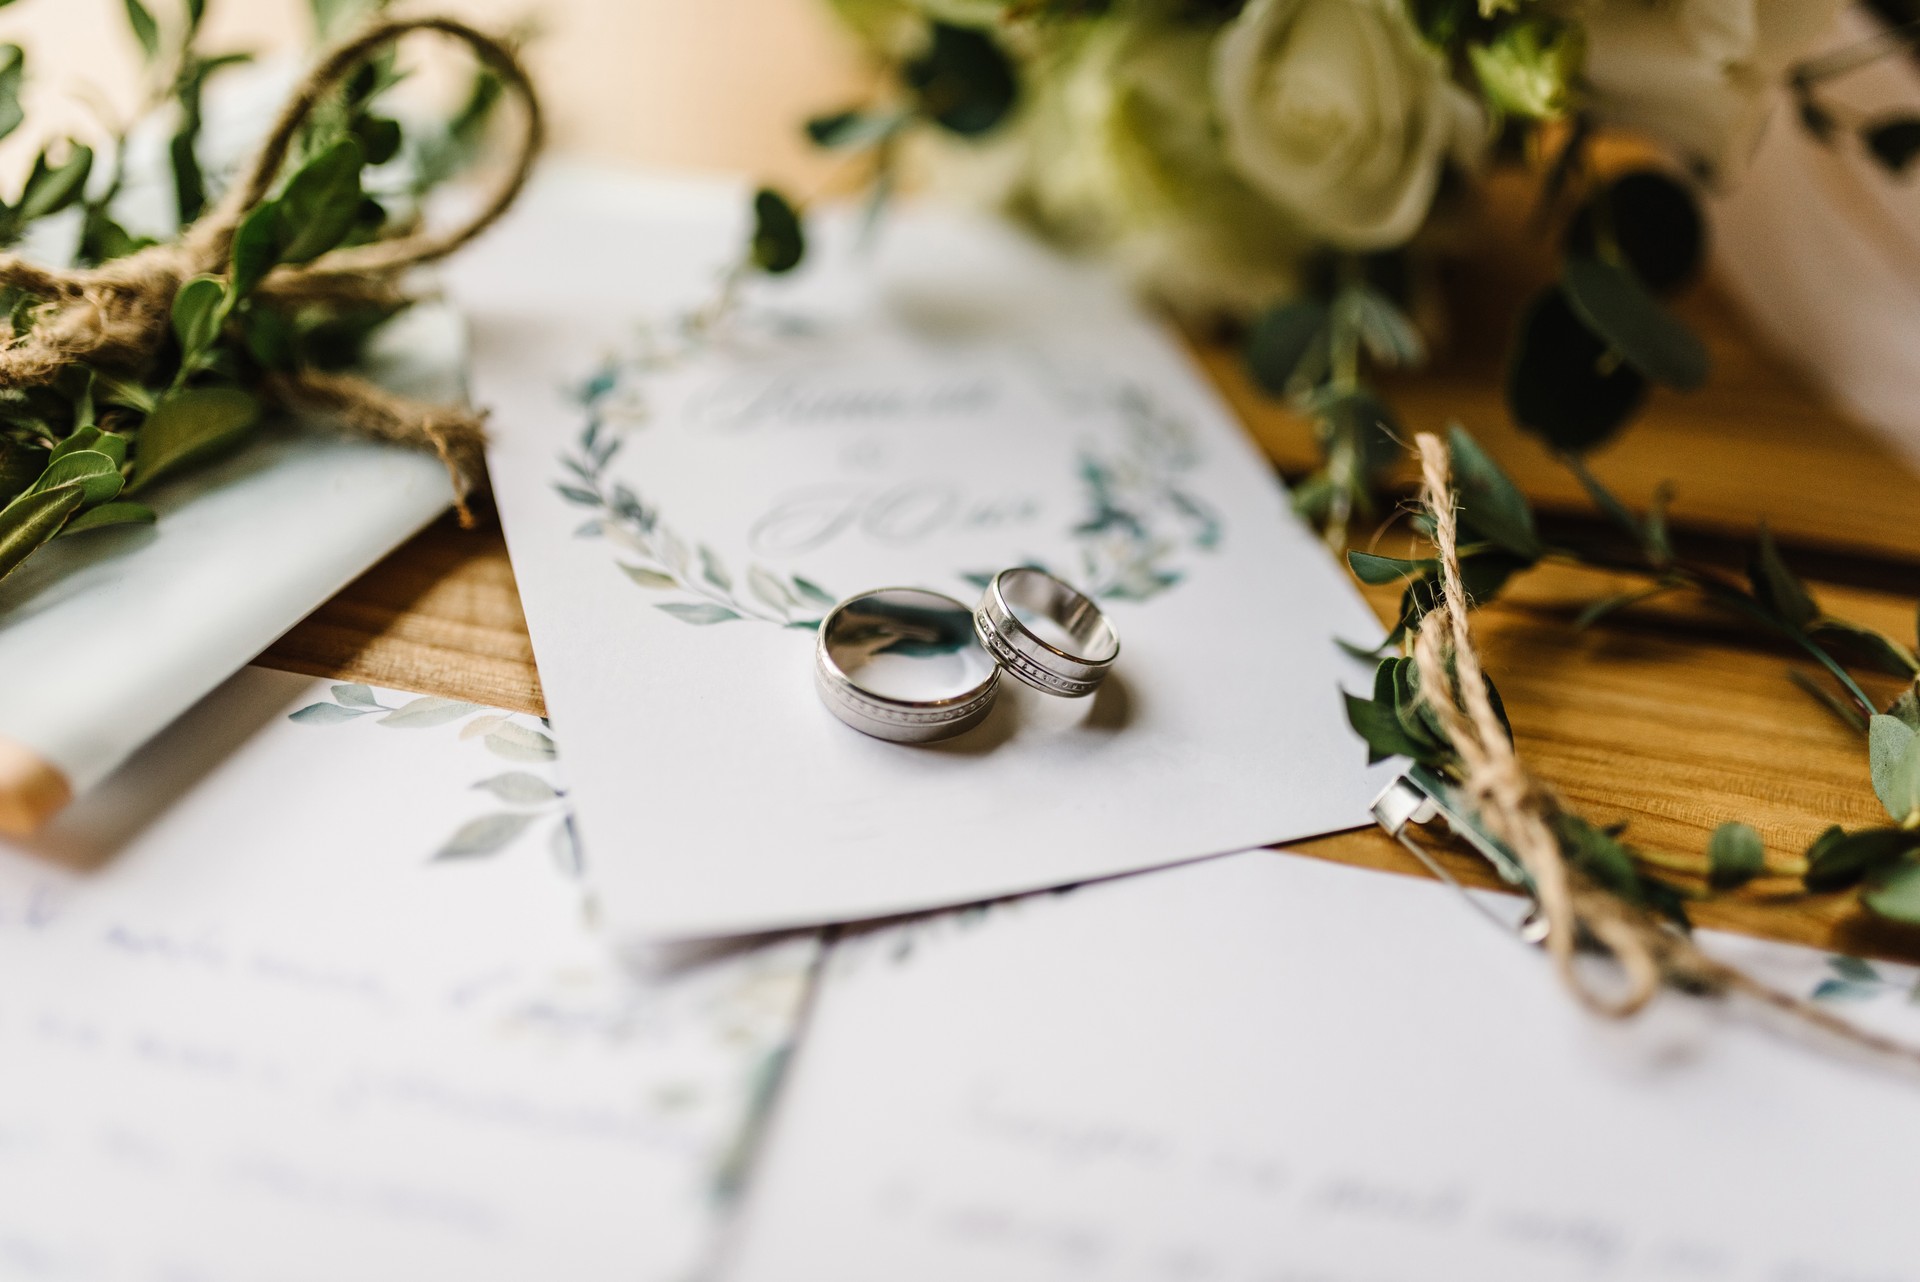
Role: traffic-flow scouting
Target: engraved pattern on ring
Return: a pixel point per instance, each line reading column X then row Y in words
column 1001, row 647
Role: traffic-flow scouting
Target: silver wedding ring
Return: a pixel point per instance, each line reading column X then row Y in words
column 1045, row 632
column 903, row 664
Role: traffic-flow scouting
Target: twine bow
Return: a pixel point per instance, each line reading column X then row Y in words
column 1519, row 810
column 120, row 313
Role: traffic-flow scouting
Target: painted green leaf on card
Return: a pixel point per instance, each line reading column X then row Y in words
column 326, row 714
column 698, row 612
column 517, row 743
column 519, row 788
column 425, row 712
column 486, row 835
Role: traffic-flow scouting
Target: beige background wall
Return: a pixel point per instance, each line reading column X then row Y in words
column 705, row 83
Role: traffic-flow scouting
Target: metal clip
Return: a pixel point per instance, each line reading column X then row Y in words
column 1419, row 797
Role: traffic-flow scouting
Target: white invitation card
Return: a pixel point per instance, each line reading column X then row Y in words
column 924, row 409
column 1267, row 1067
column 308, row 991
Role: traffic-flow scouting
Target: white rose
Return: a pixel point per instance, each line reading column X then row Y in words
column 1339, row 113
column 1118, row 151
column 1696, row 74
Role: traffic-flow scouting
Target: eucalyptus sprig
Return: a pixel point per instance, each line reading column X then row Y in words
column 146, row 358
column 1499, row 539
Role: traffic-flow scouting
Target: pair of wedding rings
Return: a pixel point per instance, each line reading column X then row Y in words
column 914, row 666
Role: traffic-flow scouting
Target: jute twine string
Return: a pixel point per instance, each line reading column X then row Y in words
column 120, row 313
column 1519, row 810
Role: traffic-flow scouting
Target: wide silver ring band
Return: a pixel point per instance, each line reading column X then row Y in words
column 1070, row 673
column 886, row 717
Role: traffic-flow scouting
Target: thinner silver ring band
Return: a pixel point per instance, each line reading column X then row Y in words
column 903, row 664
column 1046, row 632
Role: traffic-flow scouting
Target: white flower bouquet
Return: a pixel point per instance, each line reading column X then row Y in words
column 1290, row 164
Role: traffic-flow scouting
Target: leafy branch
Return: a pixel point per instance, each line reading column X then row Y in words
column 664, row 561
column 1499, row 539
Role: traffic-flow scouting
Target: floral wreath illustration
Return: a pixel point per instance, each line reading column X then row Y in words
column 1138, row 520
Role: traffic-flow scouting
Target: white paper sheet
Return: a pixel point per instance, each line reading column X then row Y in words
column 955, row 402
column 252, row 1028
column 124, row 629
column 1266, row 1068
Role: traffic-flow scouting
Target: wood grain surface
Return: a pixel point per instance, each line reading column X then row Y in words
column 1665, row 717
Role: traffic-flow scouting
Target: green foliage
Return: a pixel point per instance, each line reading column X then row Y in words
column 1529, row 67
column 1287, row 346
column 1647, row 220
column 1839, row 859
column 1564, row 384
column 963, row 81
column 1622, row 312
column 1735, row 856
column 192, row 425
column 145, row 29
column 1491, row 505
column 1778, row 589
column 1893, row 749
column 1893, row 141
column 68, row 449
column 779, row 242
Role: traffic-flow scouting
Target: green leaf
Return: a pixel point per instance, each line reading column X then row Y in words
column 1489, row 500
column 517, row 743
column 199, row 310
column 1624, row 313
column 145, row 29
column 256, row 249
column 92, row 473
column 83, row 438
column 109, row 514
column 779, row 241
column 1656, row 539
column 1840, row 859
column 486, row 835
column 697, row 612
column 813, row 593
column 51, row 188
column 326, row 714
column 1389, row 336
column 13, row 70
column 1562, row 384
column 1735, row 856
column 426, row 712
column 963, row 82
column 1893, row 891
column 1893, row 141
column 1369, row 567
column 647, row 578
column 713, row 570
column 1893, row 751
column 852, row 128
column 1600, row 609
column 517, row 787
column 1778, row 588
column 1280, row 342
column 31, row 520
column 1380, row 727
column 358, row 695
column 769, row 589
column 379, row 137
column 321, row 201
column 1648, row 219
column 189, row 426
column 1868, row 644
